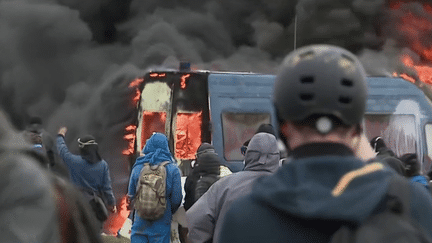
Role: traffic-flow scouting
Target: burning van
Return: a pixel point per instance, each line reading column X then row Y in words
column 226, row 109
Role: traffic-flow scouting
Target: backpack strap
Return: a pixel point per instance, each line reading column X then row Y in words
column 161, row 164
column 164, row 163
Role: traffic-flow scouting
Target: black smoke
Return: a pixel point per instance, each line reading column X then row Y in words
column 70, row 61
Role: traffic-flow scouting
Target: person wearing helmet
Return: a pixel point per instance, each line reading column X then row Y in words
column 319, row 96
column 88, row 171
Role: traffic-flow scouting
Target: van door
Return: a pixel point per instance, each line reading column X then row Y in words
column 239, row 104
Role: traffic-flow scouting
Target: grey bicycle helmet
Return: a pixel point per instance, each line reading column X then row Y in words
column 322, row 81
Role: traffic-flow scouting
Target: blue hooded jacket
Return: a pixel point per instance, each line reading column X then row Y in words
column 301, row 203
column 87, row 176
column 156, row 151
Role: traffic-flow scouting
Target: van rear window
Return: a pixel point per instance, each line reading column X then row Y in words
column 398, row 131
column 237, row 128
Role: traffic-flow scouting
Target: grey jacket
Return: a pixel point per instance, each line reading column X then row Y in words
column 27, row 208
column 205, row 217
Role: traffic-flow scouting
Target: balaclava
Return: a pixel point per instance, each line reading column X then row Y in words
column 89, row 149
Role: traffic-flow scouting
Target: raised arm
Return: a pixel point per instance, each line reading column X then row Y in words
column 63, row 150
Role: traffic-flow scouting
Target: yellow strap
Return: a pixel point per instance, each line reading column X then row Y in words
column 348, row 177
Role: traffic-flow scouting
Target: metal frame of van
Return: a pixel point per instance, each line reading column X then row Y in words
column 385, row 94
column 231, row 92
column 241, row 93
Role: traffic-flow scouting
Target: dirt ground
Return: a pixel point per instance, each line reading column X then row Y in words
column 113, row 239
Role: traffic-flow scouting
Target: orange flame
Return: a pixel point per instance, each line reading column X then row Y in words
column 135, row 83
column 137, row 96
column 116, row 220
column 412, row 27
column 183, row 80
column 130, row 137
column 130, row 128
column 157, row 75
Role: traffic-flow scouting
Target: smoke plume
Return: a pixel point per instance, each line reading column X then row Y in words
column 70, row 61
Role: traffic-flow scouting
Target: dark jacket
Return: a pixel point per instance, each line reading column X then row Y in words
column 301, row 202
column 207, row 171
column 391, row 162
column 385, row 153
column 205, row 217
column 27, row 205
column 203, row 184
column 189, row 188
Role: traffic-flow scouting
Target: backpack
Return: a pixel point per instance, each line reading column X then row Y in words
column 203, row 184
column 394, row 224
column 99, row 207
column 150, row 200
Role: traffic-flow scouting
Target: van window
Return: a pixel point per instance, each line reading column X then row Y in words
column 398, row 131
column 237, row 128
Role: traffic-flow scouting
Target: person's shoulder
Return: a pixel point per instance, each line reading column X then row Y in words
column 171, row 165
column 418, row 191
column 172, row 169
column 223, row 181
column 244, row 208
column 104, row 163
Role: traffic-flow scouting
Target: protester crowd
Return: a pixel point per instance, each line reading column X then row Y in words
column 335, row 185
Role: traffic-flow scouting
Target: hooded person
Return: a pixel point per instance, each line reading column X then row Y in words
column 205, row 217
column 156, row 151
column 267, row 128
column 206, row 164
column 43, row 142
column 88, row 171
column 89, row 149
column 320, row 96
column 208, row 170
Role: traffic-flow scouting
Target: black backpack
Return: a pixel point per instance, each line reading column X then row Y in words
column 394, row 224
column 203, row 184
